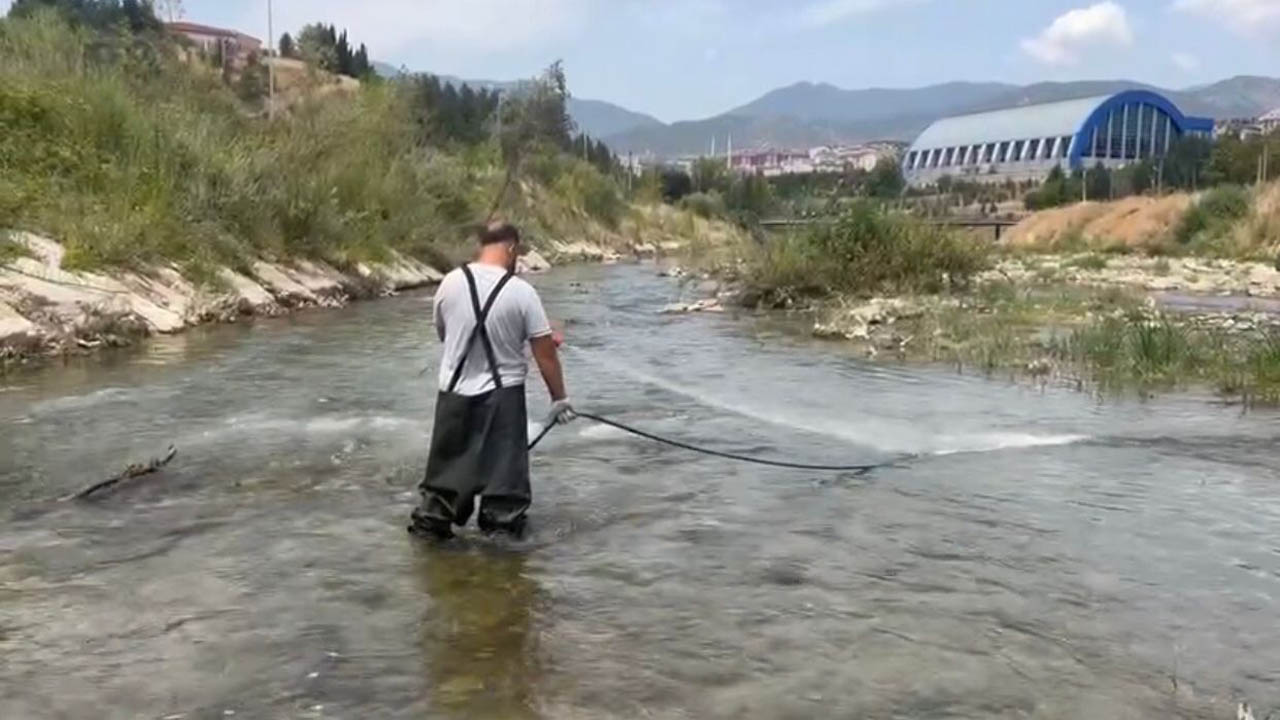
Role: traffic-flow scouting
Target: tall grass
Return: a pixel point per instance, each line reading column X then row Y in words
column 1207, row 222
column 866, row 251
column 1131, row 350
column 126, row 154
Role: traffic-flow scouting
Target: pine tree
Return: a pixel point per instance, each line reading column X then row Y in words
column 363, row 68
column 286, row 46
column 448, row 110
column 343, row 52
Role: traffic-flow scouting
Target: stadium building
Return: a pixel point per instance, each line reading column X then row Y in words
column 1025, row 143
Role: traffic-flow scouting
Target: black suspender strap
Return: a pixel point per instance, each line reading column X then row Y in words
column 480, row 332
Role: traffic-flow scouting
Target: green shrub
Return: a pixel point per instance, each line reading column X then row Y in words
column 704, row 205
column 868, row 251
column 1213, row 215
column 582, row 186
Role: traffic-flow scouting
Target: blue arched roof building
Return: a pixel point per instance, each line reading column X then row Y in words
column 1025, row 143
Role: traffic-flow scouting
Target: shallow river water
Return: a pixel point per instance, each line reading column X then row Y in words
column 1048, row 556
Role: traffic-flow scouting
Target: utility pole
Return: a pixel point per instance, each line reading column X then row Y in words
column 271, row 66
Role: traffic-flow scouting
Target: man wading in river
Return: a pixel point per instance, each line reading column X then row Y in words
column 484, row 316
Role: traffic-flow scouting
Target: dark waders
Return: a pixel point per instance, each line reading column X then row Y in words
column 479, row 446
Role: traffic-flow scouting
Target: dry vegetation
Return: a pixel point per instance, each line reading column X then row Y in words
column 1227, row 222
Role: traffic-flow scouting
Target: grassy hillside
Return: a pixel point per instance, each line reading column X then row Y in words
column 116, row 148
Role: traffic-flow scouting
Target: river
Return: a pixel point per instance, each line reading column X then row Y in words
column 1049, row 555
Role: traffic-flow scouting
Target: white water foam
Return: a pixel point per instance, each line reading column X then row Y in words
column 263, row 425
column 80, row 402
column 881, row 434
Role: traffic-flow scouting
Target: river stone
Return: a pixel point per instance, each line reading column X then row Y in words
column 247, row 291
column 286, row 290
column 13, row 325
column 403, row 273
column 320, row 278
column 711, row 305
column 533, row 262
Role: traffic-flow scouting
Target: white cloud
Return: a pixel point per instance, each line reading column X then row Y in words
column 1186, row 61
column 828, row 12
column 1060, row 44
column 1244, row 16
column 474, row 27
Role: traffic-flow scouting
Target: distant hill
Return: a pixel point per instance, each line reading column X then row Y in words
column 595, row 117
column 829, row 103
column 805, row 114
column 386, row 70
column 601, row 119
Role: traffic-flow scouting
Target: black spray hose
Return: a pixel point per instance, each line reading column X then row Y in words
column 857, row 469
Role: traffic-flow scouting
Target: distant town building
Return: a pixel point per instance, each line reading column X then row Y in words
column 772, row 163
column 236, row 46
column 821, row 159
column 1026, row 143
column 1270, row 122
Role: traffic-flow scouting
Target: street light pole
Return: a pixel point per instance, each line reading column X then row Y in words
column 271, row 67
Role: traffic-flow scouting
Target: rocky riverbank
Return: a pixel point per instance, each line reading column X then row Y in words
column 1194, row 275
column 1098, row 322
column 46, row 309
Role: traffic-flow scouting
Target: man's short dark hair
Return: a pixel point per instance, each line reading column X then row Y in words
column 497, row 232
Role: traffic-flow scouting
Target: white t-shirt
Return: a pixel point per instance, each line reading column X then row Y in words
column 516, row 317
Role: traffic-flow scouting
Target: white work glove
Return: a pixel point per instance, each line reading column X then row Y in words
column 561, row 413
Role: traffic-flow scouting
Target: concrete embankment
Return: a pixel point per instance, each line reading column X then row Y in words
column 46, row 309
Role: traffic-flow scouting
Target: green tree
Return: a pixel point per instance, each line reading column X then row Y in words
column 171, row 10
column 316, row 46
column 709, row 174
column 1098, row 182
column 1186, row 162
column 252, row 85
column 1234, row 161
column 344, row 56
column 604, row 159
column 886, row 180
column 1052, row 193
column 750, row 198
column 286, row 46
column 136, row 15
column 361, row 65
column 676, row 184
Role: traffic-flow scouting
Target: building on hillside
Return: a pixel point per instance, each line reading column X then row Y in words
column 236, row 47
column 859, row 158
column 1269, row 122
column 1026, row 143
column 771, row 163
column 824, row 159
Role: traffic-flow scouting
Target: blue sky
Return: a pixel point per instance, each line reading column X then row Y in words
column 685, row 59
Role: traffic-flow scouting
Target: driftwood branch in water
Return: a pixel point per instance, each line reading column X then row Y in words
column 129, row 473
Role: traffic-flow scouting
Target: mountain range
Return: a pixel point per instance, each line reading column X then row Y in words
column 807, row 114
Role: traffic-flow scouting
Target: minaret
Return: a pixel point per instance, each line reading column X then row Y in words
column 713, row 146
